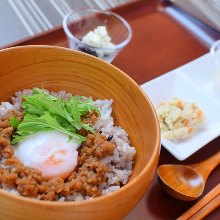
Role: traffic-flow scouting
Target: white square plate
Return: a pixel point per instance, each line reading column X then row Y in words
column 193, row 82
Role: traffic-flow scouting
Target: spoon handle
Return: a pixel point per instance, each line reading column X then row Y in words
column 205, row 167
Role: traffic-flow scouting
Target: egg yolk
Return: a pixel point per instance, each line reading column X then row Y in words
column 50, row 152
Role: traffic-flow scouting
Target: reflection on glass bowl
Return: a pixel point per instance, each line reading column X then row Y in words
column 215, row 52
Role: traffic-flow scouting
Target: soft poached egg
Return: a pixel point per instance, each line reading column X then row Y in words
column 51, row 152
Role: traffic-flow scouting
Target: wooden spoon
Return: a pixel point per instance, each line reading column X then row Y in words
column 186, row 182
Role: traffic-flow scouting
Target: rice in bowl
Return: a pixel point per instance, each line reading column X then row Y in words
column 117, row 166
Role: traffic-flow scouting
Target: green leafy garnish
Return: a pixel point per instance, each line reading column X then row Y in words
column 14, row 122
column 44, row 112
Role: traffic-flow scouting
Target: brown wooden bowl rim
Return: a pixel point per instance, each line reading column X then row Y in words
column 133, row 183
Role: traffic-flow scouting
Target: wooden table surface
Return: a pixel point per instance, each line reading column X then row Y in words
column 159, row 44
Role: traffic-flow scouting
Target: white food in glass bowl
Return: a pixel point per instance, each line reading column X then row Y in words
column 99, row 37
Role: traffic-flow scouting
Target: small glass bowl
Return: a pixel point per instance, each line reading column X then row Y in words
column 79, row 22
column 215, row 52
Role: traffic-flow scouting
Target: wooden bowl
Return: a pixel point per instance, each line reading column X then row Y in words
column 57, row 69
